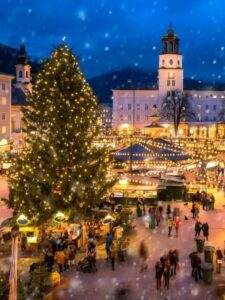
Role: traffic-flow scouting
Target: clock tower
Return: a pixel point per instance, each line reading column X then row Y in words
column 170, row 72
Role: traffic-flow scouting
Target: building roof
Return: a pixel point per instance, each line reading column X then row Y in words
column 18, row 97
column 5, row 74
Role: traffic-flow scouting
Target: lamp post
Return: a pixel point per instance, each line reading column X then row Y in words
column 13, row 264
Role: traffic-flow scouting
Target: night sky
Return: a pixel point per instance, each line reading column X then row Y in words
column 112, row 34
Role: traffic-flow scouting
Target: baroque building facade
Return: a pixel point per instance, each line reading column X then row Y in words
column 132, row 108
column 13, row 92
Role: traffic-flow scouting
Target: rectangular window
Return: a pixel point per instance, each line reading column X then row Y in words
column 206, row 107
column 199, row 106
column 121, row 106
column 3, row 129
column 129, row 118
column 4, row 100
column 146, row 106
column 3, row 86
column 129, row 106
column 214, row 107
column 146, row 118
column 3, row 116
column 168, row 82
column 138, row 117
column 173, row 82
column 138, row 106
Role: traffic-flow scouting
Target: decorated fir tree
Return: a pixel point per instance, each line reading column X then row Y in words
column 60, row 168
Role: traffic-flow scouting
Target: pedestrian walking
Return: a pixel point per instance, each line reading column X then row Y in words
column 193, row 210
column 198, row 227
column 196, row 266
column 177, row 224
column 112, row 253
column 157, row 216
column 158, row 274
column 169, row 225
column 108, row 244
column 174, row 259
column 219, row 257
column 168, row 210
column 205, row 229
column 166, row 273
column 72, row 255
column 143, row 254
column 60, row 258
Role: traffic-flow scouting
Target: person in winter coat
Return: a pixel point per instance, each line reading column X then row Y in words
column 219, row 257
column 174, row 259
column 72, row 255
column 60, row 259
column 198, row 227
column 177, row 225
column 157, row 216
column 196, row 266
column 108, row 244
column 168, row 210
column 170, row 225
column 143, row 254
column 205, row 229
column 49, row 259
column 112, row 254
column 166, row 273
column 158, row 274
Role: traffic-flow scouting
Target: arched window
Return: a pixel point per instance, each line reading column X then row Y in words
column 20, row 74
column 27, row 74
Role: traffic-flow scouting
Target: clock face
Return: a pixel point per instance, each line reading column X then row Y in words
column 171, row 61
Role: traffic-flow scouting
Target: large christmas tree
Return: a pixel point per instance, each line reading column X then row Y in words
column 60, row 168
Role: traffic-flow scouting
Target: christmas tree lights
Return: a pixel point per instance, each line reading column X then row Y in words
column 60, row 166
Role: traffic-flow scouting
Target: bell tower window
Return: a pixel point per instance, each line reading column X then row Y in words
column 20, row 74
column 27, row 74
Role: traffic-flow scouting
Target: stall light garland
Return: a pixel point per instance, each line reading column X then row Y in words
column 61, row 126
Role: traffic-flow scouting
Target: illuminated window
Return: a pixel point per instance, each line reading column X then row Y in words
column 171, row 75
column 121, row 106
column 3, row 129
column 199, row 106
column 4, row 100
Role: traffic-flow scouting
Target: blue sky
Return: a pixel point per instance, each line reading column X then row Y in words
column 109, row 35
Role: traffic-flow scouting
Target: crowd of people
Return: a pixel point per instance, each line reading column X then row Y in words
column 207, row 200
column 166, row 267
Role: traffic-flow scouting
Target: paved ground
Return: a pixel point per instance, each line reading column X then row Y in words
column 102, row 285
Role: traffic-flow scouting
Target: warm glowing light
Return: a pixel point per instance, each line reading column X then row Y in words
column 123, row 181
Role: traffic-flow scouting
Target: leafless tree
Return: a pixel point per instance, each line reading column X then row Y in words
column 176, row 107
